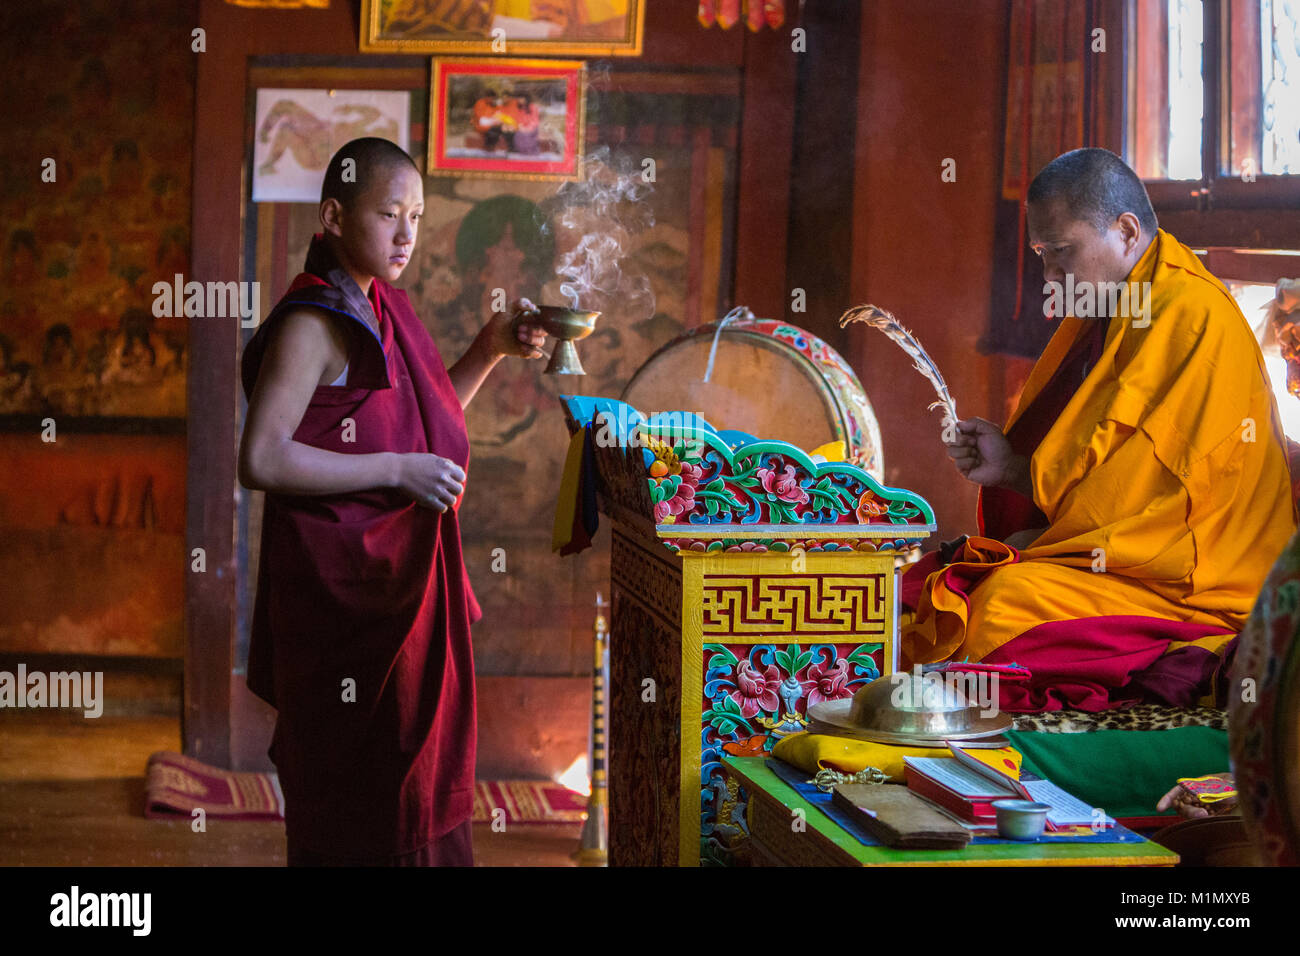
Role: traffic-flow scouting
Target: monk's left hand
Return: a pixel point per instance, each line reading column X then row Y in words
column 505, row 338
column 1190, row 806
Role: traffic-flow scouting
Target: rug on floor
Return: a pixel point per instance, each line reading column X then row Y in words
column 176, row 785
column 528, row 801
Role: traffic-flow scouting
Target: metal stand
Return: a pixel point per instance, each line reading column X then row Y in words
column 593, row 848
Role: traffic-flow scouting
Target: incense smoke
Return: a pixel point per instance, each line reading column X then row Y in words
column 594, row 223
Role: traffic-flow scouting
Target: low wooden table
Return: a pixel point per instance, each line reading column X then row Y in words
column 823, row 843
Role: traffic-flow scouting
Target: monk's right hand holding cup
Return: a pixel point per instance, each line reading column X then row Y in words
column 431, row 480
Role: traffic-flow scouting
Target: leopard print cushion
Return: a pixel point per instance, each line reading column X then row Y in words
column 1137, row 717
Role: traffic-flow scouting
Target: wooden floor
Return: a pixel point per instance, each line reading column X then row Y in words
column 72, row 794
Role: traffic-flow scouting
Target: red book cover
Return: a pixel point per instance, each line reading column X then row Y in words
column 971, row 809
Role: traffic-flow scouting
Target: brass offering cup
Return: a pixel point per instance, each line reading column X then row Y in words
column 566, row 326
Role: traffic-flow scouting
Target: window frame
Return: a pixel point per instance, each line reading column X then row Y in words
column 1215, row 193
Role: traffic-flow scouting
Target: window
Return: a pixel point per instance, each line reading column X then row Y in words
column 1213, row 97
column 1255, row 300
column 1212, row 125
column 1251, row 276
column 1271, row 97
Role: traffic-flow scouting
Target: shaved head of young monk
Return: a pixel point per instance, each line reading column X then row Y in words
column 371, row 203
column 1088, row 216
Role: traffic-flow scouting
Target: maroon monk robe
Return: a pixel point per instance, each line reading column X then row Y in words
column 365, row 596
column 1001, row 511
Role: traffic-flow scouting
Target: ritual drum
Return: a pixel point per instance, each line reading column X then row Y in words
column 768, row 378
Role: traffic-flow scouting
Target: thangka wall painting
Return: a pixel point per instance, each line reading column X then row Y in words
column 96, row 165
column 96, row 207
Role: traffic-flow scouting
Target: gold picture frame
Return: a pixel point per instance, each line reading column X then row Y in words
column 495, row 27
column 507, row 118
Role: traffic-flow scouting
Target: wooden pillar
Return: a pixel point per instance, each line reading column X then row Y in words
column 766, row 150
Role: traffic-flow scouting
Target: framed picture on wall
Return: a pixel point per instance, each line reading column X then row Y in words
column 512, row 27
column 298, row 130
column 508, row 119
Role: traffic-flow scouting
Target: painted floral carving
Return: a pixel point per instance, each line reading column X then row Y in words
column 699, row 480
column 783, row 487
column 828, row 683
column 673, row 482
column 755, row 691
column 870, row 508
column 753, row 696
column 786, row 545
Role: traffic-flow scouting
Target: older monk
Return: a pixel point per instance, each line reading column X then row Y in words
column 1132, row 506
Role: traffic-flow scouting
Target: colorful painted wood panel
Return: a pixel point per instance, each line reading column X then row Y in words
column 761, row 642
column 702, row 479
column 755, row 694
column 739, row 610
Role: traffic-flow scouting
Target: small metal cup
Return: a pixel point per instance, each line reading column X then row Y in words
column 566, row 326
column 1021, row 819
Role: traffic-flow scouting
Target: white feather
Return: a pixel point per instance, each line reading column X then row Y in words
column 884, row 321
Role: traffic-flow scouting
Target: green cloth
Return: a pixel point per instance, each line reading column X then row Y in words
column 1125, row 772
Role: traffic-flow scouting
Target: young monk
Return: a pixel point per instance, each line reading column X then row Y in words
column 1133, row 505
column 361, row 628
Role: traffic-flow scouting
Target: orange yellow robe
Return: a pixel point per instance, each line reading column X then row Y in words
column 1165, row 488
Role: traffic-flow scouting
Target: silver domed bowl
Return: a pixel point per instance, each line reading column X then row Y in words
column 908, row 710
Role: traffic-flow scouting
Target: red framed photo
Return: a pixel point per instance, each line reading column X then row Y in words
column 507, row 119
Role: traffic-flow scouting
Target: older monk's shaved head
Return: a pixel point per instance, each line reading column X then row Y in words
column 1095, row 186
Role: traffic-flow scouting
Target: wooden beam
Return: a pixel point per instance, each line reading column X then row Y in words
column 213, row 344
column 766, row 147
column 1251, row 265
column 1149, row 91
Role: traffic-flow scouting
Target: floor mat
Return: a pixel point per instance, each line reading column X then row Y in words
column 527, row 801
column 176, row 785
